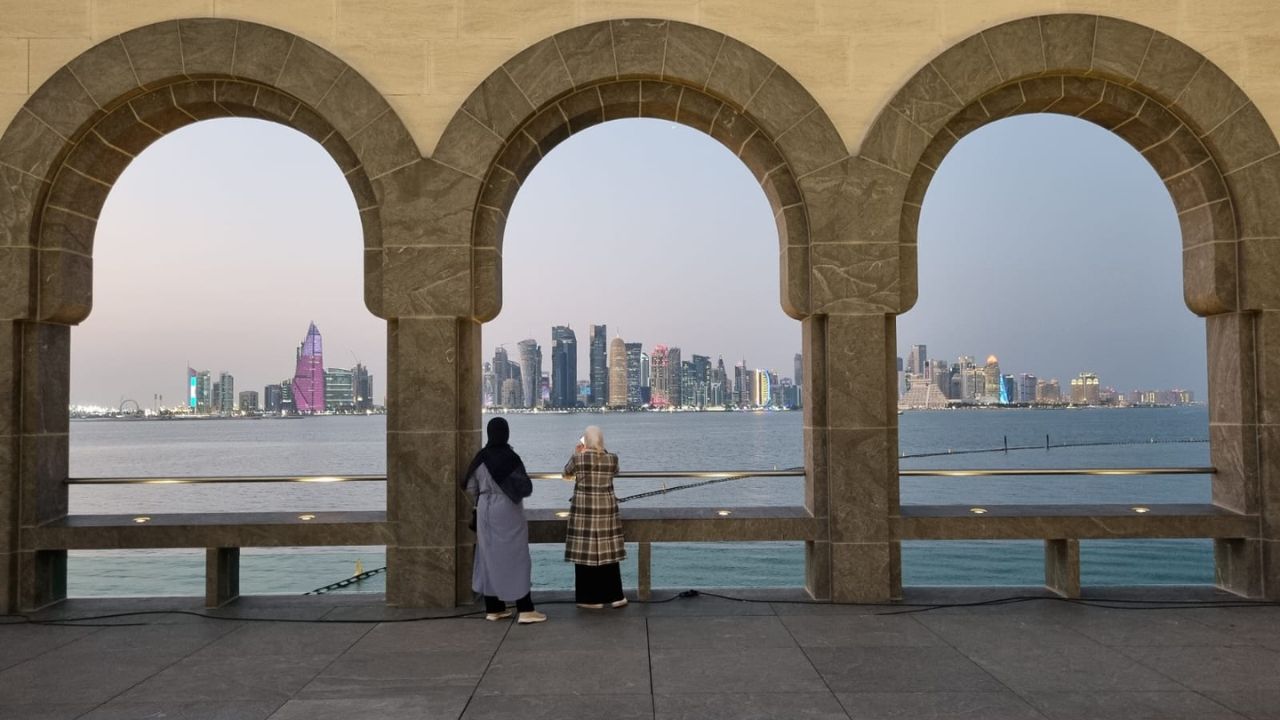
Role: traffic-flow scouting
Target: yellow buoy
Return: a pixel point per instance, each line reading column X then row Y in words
column 359, row 568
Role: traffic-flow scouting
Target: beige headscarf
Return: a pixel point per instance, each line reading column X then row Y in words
column 594, row 438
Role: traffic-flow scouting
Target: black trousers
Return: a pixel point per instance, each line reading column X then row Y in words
column 493, row 605
column 597, row 583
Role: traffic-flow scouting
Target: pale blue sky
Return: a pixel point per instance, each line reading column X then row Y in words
column 1044, row 240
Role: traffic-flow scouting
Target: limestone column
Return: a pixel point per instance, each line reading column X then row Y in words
column 432, row 368
column 9, row 436
column 44, row 360
column 817, row 555
column 862, row 468
column 1250, row 567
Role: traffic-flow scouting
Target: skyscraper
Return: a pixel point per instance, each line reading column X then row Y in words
column 339, row 390
column 918, row 360
column 204, row 392
column 675, row 375
column 308, row 378
column 226, row 401
column 530, row 367
column 659, row 378
column 249, row 401
column 743, row 381
column 618, row 386
column 564, row 367
column 991, row 380
column 799, row 381
column 363, row 387
column 191, row 390
column 633, row 375
column 272, row 398
column 600, row 367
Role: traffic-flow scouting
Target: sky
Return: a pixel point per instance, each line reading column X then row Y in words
column 1044, row 240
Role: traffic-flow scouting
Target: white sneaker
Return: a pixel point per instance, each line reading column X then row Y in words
column 618, row 603
column 494, row 617
column 533, row 616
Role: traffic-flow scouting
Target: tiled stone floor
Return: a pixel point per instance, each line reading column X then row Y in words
column 700, row 658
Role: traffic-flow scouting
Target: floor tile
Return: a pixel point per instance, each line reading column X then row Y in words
column 860, row 631
column 899, row 669
column 1183, row 705
column 438, row 705
column 1213, row 668
column 551, row 672
column 560, row 707
column 745, row 633
column 1000, row 705
column 748, row 706
column 733, row 671
column 224, row 678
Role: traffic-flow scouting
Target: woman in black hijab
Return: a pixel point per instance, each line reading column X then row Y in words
column 503, row 571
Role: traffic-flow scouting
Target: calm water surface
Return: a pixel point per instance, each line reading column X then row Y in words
column 647, row 441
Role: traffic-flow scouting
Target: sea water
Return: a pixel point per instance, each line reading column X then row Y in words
column 343, row 445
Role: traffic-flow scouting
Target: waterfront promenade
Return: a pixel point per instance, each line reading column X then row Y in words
column 700, row 657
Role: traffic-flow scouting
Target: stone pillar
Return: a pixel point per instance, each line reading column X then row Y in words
column 1253, row 565
column 1062, row 567
column 44, row 389
column 10, row 424
column 862, row 464
column 817, row 554
column 221, row 576
column 430, row 382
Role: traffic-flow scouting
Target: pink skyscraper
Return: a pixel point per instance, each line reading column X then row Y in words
column 308, row 379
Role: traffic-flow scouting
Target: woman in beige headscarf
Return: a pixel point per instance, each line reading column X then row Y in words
column 594, row 540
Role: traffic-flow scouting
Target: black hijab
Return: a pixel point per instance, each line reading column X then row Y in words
column 500, row 459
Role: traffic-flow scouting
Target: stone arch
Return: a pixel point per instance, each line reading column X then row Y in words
column 633, row 68
column 1219, row 160
column 60, row 156
column 1207, row 141
column 73, row 138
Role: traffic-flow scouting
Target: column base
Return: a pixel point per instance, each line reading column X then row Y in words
column 221, row 576
column 422, row 577
column 42, row 578
column 1062, row 567
column 861, row 572
column 1238, row 567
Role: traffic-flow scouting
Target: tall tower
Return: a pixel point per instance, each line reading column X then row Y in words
column 659, row 378
column 633, row 375
column 308, row 377
column 600, row 366
column 564, row 367
column 617, row 373
column 530, row 371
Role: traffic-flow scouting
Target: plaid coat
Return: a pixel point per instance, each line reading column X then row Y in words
column 595, row 530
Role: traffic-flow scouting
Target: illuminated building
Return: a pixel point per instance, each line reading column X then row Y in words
column 599, row 366
column 191, row 390
column 530, row 367
column 249, row 401
column 308, row 378
column 272, row 398
column 659, row 378
column 633, row 375
column 339, row 390
column 226, row 396
column 1085, row 389
column 619, row 388
column 564, row 367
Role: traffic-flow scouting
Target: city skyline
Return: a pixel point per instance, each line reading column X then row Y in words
column 1004, row 255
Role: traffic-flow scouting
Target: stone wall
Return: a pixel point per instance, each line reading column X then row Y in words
column 436, row 111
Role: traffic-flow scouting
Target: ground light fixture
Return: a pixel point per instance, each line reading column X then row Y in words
column 142, row 519
column 562, row 513
column 724, row 513
column 1141, row 509
column 978, row 510
column 307, row 516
